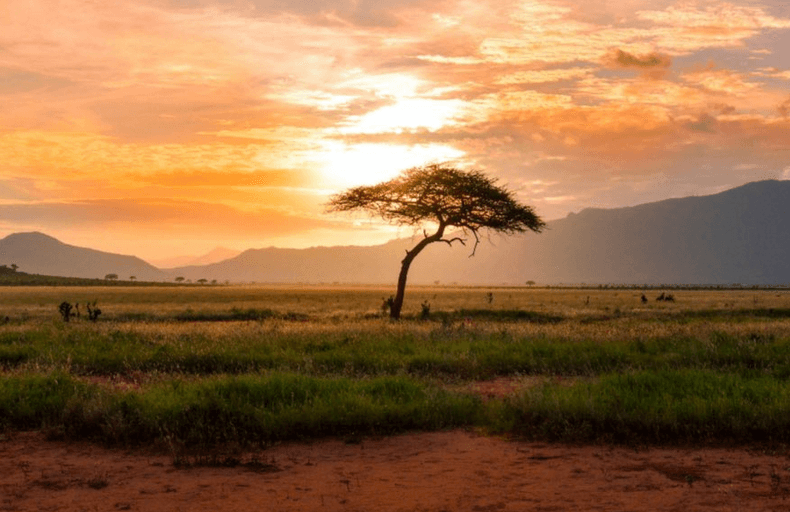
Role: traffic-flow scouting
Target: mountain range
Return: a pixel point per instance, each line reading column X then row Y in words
column 37, row 253
column 739, row 236
column 213, row 256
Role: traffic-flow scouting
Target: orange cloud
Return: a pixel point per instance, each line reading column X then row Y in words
column 230, row 105
column 653, row 64
column 166, row 215
column 722, row 81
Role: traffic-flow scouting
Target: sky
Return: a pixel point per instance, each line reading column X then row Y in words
column 169, row 127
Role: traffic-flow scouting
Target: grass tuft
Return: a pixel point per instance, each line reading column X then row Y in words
column 657, row 408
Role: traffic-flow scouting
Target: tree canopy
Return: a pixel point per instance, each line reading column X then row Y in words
column 442, row 196
column 449, row 197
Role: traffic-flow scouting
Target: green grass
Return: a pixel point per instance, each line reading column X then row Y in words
column 377, row 348
column 654, row 407
column 250, row 409
column 657, row 407
column 246, row 365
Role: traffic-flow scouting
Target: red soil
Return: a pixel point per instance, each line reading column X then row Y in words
column 447, row 471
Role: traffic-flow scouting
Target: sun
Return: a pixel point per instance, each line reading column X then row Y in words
column 406, row 115
column 350, row 165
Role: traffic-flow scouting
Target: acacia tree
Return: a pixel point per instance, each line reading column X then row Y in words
column 441, row 197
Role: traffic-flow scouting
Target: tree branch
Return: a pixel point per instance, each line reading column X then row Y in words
column 477, row 242
column 456, row 239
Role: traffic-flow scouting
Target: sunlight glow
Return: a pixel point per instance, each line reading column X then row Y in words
column 406, row 115
column 238, row 118
column 366, row 164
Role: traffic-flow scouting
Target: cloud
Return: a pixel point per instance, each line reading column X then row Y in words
column 163, row 215
column 784, row 108
column 404, row 115
column 559, row 199
column 361, row 13
column 717, row 18
column 625, row 60
column 721, row 81
column 703, row 123
column 653, row 65
column 209, row 178
column 247, row 102
column 545, row 76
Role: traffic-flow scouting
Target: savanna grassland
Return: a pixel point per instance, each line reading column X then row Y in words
column 203, row 367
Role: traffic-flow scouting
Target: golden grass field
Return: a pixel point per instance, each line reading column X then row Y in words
column 619, row 313
column 333, row 301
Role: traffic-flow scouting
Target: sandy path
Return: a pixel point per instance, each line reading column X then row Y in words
column 448, row 471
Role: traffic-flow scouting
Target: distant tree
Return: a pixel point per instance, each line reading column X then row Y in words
column 202, row 281
column 441, row 197
column 132, row 278
column 213, row 281
column 111, row 277
column 179, row 279
column 65, row 311
column 14, row 266
column 530, row 283
column 93, row 312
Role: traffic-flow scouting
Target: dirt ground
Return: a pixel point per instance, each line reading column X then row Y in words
column 445, row 471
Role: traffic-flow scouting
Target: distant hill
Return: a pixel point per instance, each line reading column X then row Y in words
column 213, row 256
column 738, row 236
column 37, row 253
column 351, row 264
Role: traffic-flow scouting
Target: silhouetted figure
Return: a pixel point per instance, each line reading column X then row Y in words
column 490, row 297
column 93, row 313
column 426, row 310
column 660, row 297
column 386, row 305
column 644, row 299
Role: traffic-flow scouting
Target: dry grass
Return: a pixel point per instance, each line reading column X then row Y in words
column 334, row 301
column 602, row 316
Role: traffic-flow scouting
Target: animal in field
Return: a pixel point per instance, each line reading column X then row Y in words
column 386, row 305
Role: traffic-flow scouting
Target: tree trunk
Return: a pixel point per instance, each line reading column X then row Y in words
column 397, row 304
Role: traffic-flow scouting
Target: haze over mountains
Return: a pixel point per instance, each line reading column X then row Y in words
column 213, row 256
column 738, row 236
column 37, row 253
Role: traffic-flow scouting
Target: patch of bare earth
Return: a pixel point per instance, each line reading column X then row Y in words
column 501, row 387
column 446, row 471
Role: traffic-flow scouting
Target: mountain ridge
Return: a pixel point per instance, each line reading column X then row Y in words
column 740, row 235
column 213, row 256
column 37, row 253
